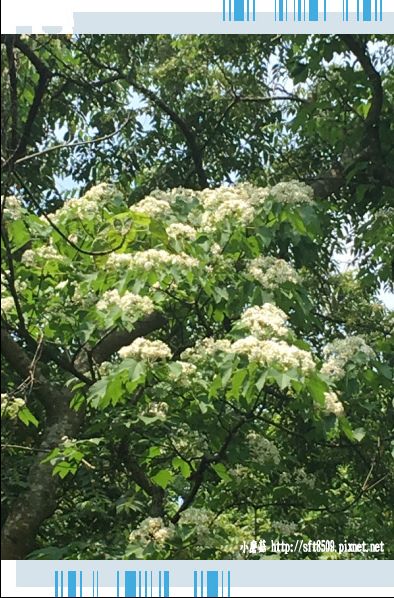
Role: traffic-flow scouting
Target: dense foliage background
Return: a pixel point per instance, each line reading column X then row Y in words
column 185, row 366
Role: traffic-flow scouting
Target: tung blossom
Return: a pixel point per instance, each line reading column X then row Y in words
column 142, row 348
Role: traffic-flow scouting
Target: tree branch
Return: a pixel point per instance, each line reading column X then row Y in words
column 45, row 74
column 143, row 480
column 39, row 501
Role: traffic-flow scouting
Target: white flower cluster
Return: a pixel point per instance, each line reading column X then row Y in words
column 129, row 302
column 340, row 351
column 177, row 231
column 11, row 405
column 28, row 258
column 103, row 193
column 83, row 299
column 265, row 352
column 13, row 207
column 250, row 195
column 271, row 272
column 293, row 193
column 44, row 252
column 333, row 405
column 160, row 408
column 89, row 205
column 235, row 208
column 240, row 473
column 151, row 206
column 201, row 519
column 205, row 347
column 152, row 529
column 105, row 368
column 149, row 259
column 284, row 528
column 142, row 348
column 215, row 249
column 188, row 442
column 262, row 450
column 7, row 304
column 188, row 374
column 5, row 398
column 270, row 352
column 48, row 252
column 267, row 321
column 298, row 477
column 185, row 195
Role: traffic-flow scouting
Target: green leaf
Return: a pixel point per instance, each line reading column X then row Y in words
column 157, row 230
column 359, row 434
column 64, row 468
column 163, row 478
column 26, row 416
column 237, row 381
column 261, row 381
column 97, row 393
column 283, row 379
column 216, row 384
column 184, row 467
column 18, row 233
column 317, row 387
column 345, row 427
column 52, row 455
column 221, row 470
column 175, row 368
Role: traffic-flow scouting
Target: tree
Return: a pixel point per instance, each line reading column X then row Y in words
column 184, row 365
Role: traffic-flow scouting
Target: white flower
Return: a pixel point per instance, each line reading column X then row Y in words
column 301, row 478
column 73, row 238
column 128, row 302
column 271, row 272
column 13, row 207
column 151, row 206
column 177, row 230
column 48, row 252
column 240, row 473
column 142, row 348
column 159, row 408
column 271, row 352
column 105, row 368
column 293, row 193
column 89, row 205
column 28, row 258
column 340, row 351
column 205, row 347
column 153, row 530
column 7, row 304
column 238, row 209
column 333, row 404
column 10, row 405
column 201, row 520
column 149, row 259
column 262, row 450
column 188, row 374
column 44, row 252
column 265, row 322
column 216, row 249
column 245, row 192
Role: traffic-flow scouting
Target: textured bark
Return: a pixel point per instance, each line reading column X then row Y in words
column 40, row 500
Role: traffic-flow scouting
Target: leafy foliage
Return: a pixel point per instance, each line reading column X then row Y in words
column 185, row 367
